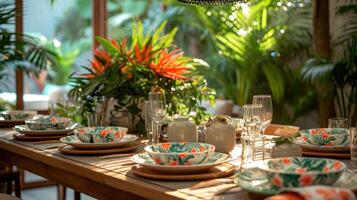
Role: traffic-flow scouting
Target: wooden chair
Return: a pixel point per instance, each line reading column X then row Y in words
column 10, row 177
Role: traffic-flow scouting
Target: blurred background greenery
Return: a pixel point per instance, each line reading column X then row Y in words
column 264, row 47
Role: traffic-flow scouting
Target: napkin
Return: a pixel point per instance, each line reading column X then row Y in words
column 316, row 192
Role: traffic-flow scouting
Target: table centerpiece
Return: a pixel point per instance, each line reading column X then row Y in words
column 127, row 71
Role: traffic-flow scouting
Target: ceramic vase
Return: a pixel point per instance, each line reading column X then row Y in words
column 221, row 133
column 182, row 130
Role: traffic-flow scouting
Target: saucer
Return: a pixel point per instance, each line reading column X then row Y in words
column 145, row 160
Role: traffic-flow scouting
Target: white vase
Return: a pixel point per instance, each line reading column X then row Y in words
column 220, row 133
column 182, row 130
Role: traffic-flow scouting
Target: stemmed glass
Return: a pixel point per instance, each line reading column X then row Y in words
column 158, row 114
column 267, row 110
column 157, row 102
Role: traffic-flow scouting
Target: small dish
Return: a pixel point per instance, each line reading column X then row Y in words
column 326, row 136
column 145, row 160
column 254, row 180
column 48, row 122
column 17, row 114
column 75, row 142
column 180, row 153
column 337, row 148
column 100, row 134
column 24, row 129
column 301, row 171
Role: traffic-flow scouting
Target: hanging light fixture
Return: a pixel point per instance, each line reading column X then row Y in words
column 213, row 2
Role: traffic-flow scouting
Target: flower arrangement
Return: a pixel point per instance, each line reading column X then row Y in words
column 128, row 70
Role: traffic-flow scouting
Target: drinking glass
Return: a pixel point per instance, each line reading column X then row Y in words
column 95, row 119
column 148, row 120
column 158, row 114
column 353, row 145
column 252, row 116
column 157, row 96
column 267, row 110
column 338, row 123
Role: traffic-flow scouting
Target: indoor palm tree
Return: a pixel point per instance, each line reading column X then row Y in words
column 30, row 57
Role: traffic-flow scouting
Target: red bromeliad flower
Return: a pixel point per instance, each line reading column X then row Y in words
column 140, row 56
column 100, row 63
column 168, row 64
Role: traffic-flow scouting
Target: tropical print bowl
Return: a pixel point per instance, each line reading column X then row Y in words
column 180, row 153
column 18, row 114
column 302, row 171
column 48, row 122
column 100, row 134
column 326, row 136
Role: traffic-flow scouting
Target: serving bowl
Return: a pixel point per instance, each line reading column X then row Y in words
column 180, row 153
column 48, row 122
column 18, row 114
column 302, row 171
column 99, row 134
column 326, row 136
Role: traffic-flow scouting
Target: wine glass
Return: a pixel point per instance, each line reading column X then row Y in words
column 148, row 119
column 157, row 96
column 338, row 123
column 267, row 110
column 158, row 113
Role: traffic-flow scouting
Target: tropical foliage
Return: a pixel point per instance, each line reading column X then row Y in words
column 129, row 70
column 20, row 50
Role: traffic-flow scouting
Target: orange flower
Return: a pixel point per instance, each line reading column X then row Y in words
column 100, row 63
column 173, row 162
column 276, row 180
column 121, row 47
column 337, row 165
column 165, row 146
column 168, row 64
column 141, row 56
column 125, row 70
column 286, row 161
column 182, row 155
column 326, row 169
column 300, row 170
column 306, row 180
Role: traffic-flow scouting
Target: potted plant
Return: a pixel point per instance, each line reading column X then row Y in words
column 127, row 71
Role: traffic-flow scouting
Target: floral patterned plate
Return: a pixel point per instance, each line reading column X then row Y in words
column 145, row 160
column 326, row 136
column 254, row 180
column 299, row 141
column 75, row 142
column 27, row 131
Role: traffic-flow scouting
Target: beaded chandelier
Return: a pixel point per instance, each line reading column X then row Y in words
column 213, row 2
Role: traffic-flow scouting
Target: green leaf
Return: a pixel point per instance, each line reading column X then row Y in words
column 108, row 46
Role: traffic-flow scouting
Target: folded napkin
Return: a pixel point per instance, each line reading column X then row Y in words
column 317, row 192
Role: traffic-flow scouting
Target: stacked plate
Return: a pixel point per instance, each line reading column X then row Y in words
column 15, row 117
column 273, row 176
column 44, row 128
column 324, row 142
column 181, row 161
column 99, row 140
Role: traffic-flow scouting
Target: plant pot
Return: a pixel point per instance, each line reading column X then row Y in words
column 124, row 119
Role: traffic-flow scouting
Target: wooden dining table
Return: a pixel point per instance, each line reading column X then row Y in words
column 102, row 178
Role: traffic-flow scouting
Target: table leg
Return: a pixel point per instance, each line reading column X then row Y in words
column 61, row 192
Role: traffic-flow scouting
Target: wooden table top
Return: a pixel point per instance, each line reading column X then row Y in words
column 83, row 171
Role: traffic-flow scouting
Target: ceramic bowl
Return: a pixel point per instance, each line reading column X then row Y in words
column 302, row 171
column 326, row 136
column 48, row 122
column 100, row 134
column 180, row 153
column 18, row 114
